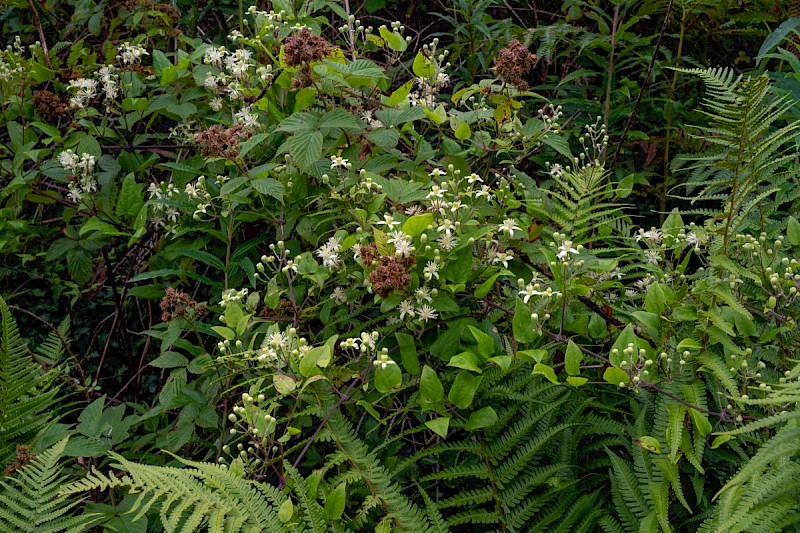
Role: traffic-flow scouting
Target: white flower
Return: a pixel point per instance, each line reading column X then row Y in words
column 84, row 90
column 436, row 192
column 69, row 160
column 530, row 290
column 652, row 257
column 338, row 161
column 388, row 220
column 216, row 104
column 86, row 164
column 329, row 253
column 474, row 178
column 406, row 308
column 694, row 240
column 565, row 249
column 497, row 256
column 652, row 235
column 246, row 118
column 131, row 54
column 509, row 226
column 277, row 340
column 75, row 193
column 423, row 294
column 446, row 226
column 431, row 270
column 484, row 192
column 436, row 172
column 402, row 242
column 339, row 295
column 211, row 83
column 214, row 56
column 447, row 242
column 426, row 312
column 383, row 360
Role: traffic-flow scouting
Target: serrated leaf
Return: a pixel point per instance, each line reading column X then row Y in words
column 306, row 148
column 269, row 187
column 793, row 231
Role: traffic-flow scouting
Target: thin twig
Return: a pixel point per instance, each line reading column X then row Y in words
column 632, row 114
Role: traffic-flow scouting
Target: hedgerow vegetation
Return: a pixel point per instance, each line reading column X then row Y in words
column 321, row 265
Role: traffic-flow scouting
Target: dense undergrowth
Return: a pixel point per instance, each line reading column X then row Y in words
column 498, row 266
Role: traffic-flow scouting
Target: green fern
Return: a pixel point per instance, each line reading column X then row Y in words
column 30, row 501
column 204, row 496
column 750, row 165
column 27, row 392
column 579, row 204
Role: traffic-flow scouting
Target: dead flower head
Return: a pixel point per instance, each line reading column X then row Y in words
column 513, row 62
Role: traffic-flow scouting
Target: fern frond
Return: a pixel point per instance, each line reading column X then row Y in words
column 27, row 392
column 30, row 501
column 190, row 497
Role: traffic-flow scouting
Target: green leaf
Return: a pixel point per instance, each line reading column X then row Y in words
column 395, row 42
column 306, row 149
column 463, row 132
column 439, row 426
column 576, row 381
column 655, row 300
column 169, row 359
column 701, row 422
column 626, row 337
column 793, row 231
column 415, row 225
column 386, row 379
column 130, row 199
column 437, row 115
column 204, row 257
column 430, row 388
column 334, row 502
column 615, row 376
column 371, row 410
column 482, row 418
column 484, row 288
column 463, row 389
column 719, row 440
column 485, row 342
column 338, row 118
column 284, row 384
column 522, row 325
column 423, row 67
column 408, row 352
column 91, row 418
column 572, row 359
column 286, row 510
column 467, row 361
column 104, row 228
column 546, row 371
column 649, row 443
column 319, row 356
column 269, row 187
column 400, row 94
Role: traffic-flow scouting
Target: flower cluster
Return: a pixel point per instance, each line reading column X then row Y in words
column 329, row 253
column 131, row 54
column 81, row 169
